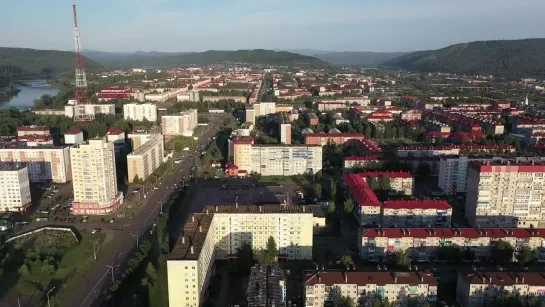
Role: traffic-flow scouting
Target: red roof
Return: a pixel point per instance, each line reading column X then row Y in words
column 335, row 135
column 243, row 142
column 361, row 191
column 331, row 278
column 454, row 232
column 487, row 167
column 74, row 130
column 113, row 131
column 417, row 204
column 35, row 138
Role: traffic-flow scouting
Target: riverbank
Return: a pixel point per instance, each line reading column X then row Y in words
column 8, row 92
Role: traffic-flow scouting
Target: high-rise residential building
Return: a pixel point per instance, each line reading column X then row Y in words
column 140, row 111
column 416, row 213
column 325, row 288
column 285, row 133
column 138, row 139
column 94, row 177
column 89, row 109
column 143, row 161
column 14, row 188
column 422, row 244
column 506, row 193
column 219, row 231
column 478, row 289
column 181, row 124
column 250, row 115
column 277, row 160
column 44, row 163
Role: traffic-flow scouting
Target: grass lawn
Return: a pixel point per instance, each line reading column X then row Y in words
column 299, row 180
column 158, row 296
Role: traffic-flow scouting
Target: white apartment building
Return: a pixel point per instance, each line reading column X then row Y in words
column 146, row 159
column 73, row 136
column 44, row 163
column 400, row 182
column 140, row 112
column 94, row 177
column 400, row 288
column 219, row 231
column 14, row 188
column 422, row 243
column 285, row 133
column 277, row 160
column 478, row 289
column 416, row 213
column 505, row 194
column 264, row 108
column 181, row 124
column 89, row 109
column 138, row 139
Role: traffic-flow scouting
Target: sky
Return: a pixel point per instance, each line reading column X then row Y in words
column 199, row 25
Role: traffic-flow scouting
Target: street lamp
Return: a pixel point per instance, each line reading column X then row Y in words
column 111, row 267
column 136, row 236
column 48, row 304
column 94, row 249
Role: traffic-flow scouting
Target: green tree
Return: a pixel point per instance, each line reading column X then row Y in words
column 449, row 253
column 24, row 270
column 503, row 251
column 331, row 208
column 317, row 189
column 332, row 189
column 346, row 260
column 403, row 259
column 151, row 272
column 373, row 183
column 527, row 256
column 245, row 259
column 136, row 179
column 269, row 254
column 384, row 183
column 346, row 301
column 348, row 205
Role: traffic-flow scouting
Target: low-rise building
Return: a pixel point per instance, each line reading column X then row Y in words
column 325, row 288
column 142, row 162
column 73, row 136
column 35, row 140
column 478, row 289
column 312, row 119
column 14, row 188
column 416, row 213
column 32, row 130
column 116, row 136
column 219, row 231
column 423, row 244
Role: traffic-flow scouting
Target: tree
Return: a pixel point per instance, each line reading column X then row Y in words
column 269, row 254
column 348, row 205
column 332, row 189
column 527, row 256
column 331, row 208
column 346, row 260
column 373, row 183
column 190, row 87
column 151, row 273
column 245, row 259
column 384, row 183
column 503, row 251
column 136, row 179
column 317, row 188
column 449, row 253
column 24, row 270
column 402, row 259
column 346, row 301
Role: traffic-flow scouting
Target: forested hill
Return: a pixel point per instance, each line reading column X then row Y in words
column 255, row 56
column 508, row 58
column 17, row 62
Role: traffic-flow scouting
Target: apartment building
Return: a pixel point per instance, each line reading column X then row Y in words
column 312, row 119
column 325, row 288
column 505, row 193
column 416, row 213
column 478, row 289
column 182, row 124
column 14, row 188
column 142, row 162
column 94, row 177
column 250, row 115
column 44, row 163
column 32, row 130
column 73, row 136
column 330, row 105
column 35, row 140
column 400, row 182
column 437, row 126
column 140, row 111
column 219, row 231
column 285, row 133
column 138, row 139
column 277, row 160
column 367, row 209
column 411, row 115
column 422, row 243
column 332, row 138
column 89, row 109
column 427, row 151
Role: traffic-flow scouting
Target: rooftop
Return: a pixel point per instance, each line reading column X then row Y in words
column 11, row 167
column 417, row 204
column 387, row 174
column 454, row 232
column 265, row 286
column 330, row 278
column 506, row 278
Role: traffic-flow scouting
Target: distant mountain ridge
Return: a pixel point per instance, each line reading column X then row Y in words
column 512, row 58
column 25, row 61
column 172, row 59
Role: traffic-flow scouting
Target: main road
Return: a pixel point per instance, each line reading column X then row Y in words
column 90, row 288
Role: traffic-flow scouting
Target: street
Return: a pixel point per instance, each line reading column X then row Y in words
column 90, row 288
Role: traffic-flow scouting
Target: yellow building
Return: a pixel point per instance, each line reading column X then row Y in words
column 219, row 231
column 362, row 287
column 486, row 289
column 94, row 177
column 146, row 159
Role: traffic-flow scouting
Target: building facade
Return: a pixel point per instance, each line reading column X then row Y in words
column 44, row 164
column 332, row 138
column 182, row 124
column 505, row 194
column 285, row 133
column 416, row 213
column 94, row 178
column 219, row 231
column 142, row 162
column 325, row 288
column 14, row 188
column 140, row 112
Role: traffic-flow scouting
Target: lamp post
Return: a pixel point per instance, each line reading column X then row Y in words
column 136, row 236
column 48, row 304
column 94, row 250
column 111, row 267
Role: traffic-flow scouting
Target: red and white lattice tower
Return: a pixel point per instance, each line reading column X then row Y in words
column 82, row 96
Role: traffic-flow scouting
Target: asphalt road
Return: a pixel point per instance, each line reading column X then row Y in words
column 90, row 289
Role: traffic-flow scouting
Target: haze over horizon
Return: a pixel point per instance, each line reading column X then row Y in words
column 177, row 26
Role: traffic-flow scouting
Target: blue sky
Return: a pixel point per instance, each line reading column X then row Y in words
column 198, row 25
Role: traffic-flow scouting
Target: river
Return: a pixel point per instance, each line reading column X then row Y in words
column 27, row 94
